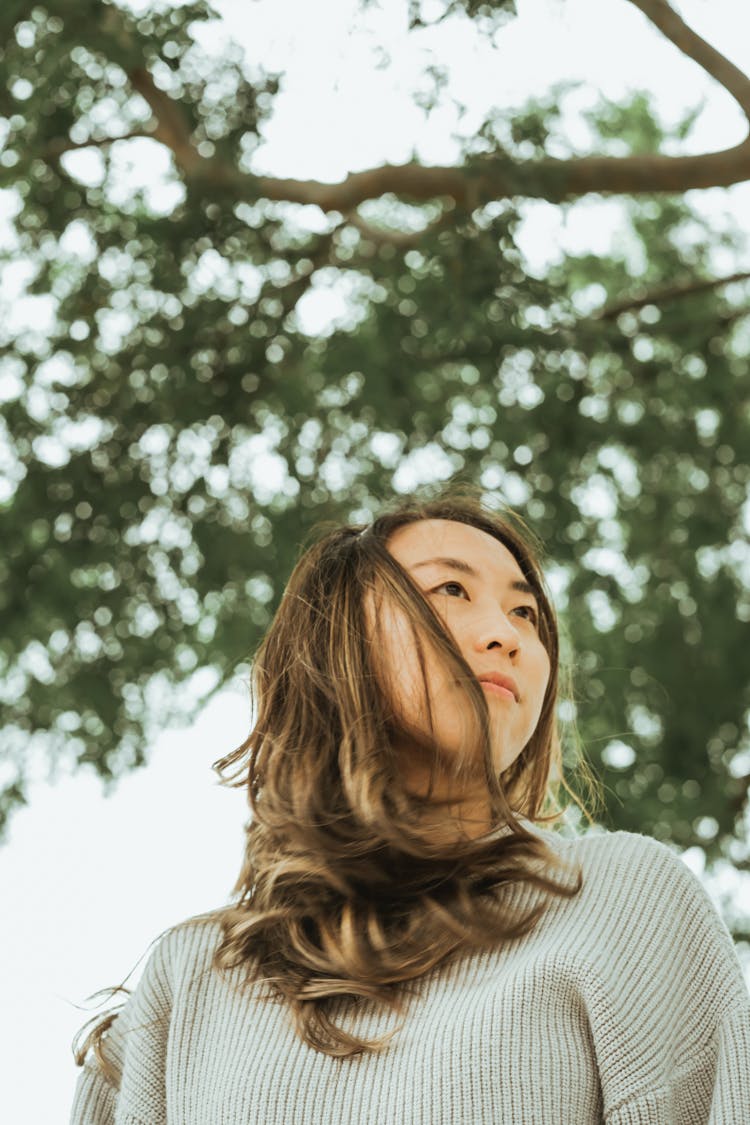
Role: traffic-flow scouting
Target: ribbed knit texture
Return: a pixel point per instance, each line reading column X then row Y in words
column 626, row 1005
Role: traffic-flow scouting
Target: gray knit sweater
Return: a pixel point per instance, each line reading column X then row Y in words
column 626, row 1005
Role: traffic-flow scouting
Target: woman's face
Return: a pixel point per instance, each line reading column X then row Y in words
column 493, row 625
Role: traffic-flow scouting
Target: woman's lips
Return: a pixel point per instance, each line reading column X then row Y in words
column 495, row 689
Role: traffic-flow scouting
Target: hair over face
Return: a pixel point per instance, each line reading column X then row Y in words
column 340, row 894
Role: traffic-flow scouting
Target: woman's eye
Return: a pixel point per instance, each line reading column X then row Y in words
column 444, row 584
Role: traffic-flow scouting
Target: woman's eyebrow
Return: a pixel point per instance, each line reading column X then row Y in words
column 464, row 568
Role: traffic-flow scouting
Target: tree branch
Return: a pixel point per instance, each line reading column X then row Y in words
column 555, row 180
column 666, row 293
column 171, row 127
column 491, row 177
column 734, row 81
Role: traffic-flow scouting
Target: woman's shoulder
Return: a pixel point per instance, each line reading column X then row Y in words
column 602, row 846
column 642, row 878
column 178, row 954
column 189, row 942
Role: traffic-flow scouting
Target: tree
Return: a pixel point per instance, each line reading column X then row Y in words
column 141, row 542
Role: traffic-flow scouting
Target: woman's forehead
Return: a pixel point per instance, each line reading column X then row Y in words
column 416, row 543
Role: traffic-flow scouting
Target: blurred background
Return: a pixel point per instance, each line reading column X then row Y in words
column 211, row 340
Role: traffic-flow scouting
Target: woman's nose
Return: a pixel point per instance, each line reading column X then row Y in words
column 496, row 629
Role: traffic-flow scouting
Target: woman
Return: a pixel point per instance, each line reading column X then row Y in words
column 404, row 756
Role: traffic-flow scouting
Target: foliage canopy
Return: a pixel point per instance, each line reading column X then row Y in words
column 145, row 535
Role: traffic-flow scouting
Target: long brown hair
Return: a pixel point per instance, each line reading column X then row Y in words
column 339, row 894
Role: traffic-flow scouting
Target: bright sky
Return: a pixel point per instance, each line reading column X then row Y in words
column 88, row 881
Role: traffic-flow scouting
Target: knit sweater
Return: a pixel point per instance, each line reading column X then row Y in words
column 625, row 1005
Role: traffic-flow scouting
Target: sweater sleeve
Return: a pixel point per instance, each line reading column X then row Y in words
column 135, row 1044
column 692, row 1045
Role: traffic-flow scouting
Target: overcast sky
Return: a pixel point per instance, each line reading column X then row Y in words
column 88, row 881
